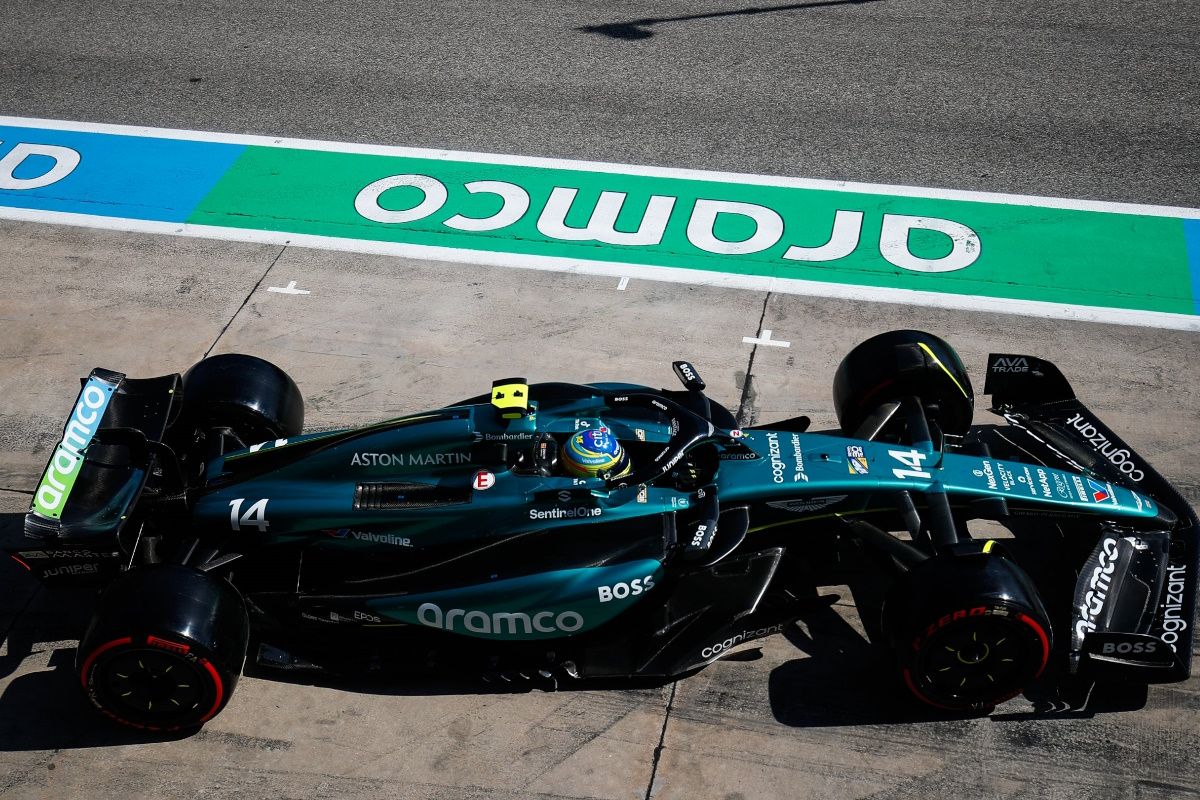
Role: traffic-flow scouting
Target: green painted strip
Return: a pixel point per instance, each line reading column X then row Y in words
column 1019, row 252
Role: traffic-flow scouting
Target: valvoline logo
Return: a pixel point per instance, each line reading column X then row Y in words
column 1100, row 491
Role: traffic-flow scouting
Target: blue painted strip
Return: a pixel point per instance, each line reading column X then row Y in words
column 132, row 177
column 1191, row 238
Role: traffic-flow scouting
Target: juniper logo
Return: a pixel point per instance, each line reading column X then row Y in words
column 64, row 466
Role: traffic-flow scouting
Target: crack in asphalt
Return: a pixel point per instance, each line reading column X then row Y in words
column 662, row 736
column 745, row 416
column 258, row 283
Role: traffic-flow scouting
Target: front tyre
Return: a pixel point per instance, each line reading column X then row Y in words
column 254, row 398
column 969, row 631
column 900, row 364
column 165, row 648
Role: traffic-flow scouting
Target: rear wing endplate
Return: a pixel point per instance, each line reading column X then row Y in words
column 100, row 465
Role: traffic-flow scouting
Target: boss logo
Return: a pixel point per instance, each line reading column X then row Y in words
column 1127, row 648
column 620, row 591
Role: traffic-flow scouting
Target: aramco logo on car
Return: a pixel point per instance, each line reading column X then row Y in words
column 498, row 623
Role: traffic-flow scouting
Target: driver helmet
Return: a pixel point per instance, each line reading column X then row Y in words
column 594, row 452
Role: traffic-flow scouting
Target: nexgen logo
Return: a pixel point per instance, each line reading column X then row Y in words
column 64, row 465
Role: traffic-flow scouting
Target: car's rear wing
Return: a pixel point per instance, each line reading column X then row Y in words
column 1135, row 600
column 101, row 464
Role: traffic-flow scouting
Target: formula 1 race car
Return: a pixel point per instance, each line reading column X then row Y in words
column 454, row 539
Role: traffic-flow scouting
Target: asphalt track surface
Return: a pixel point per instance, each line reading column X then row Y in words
column 1084, row 100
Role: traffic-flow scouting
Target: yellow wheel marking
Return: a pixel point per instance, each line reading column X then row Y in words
column 986, row 652
column 987, row 548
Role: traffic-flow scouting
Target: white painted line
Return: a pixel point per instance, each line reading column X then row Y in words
column 289, row 289
column 1037, row 308
column 766, row 339
column 624, row 282
column 601, row 166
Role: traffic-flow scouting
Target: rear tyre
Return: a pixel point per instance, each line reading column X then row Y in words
column 252, row 397
column 900, row 364
column 969, row 631
column 165, row 648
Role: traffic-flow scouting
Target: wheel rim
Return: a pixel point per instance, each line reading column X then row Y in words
column 152, row 687
column 977, row 662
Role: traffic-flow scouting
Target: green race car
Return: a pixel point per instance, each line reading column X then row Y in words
column 466, row 538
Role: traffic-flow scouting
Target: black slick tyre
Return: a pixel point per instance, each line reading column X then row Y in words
column 254, row 398
column 969, row 631
column 164, row 649
column 900, row 364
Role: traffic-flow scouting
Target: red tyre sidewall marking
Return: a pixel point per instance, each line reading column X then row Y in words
column 912, row 687
column 218, row 684
column 1042, row 636
column 87, row 662
column 220, row 690
column 947, row 619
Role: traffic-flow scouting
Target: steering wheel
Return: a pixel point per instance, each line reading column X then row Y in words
column 690, row 429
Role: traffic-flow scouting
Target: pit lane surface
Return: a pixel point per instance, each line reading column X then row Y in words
column 1085, row 101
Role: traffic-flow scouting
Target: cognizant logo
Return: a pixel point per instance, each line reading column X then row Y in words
column 720, row 647
column 65, row 464
column 498, row 622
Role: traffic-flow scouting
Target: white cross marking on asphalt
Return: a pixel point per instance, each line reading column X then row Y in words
column 621, row 286
column 765, row 339
column 289, row 289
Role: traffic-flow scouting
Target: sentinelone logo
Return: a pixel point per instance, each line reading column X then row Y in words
column 1108, row 262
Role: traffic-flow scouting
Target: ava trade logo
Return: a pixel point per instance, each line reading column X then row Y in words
column 64, row 466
